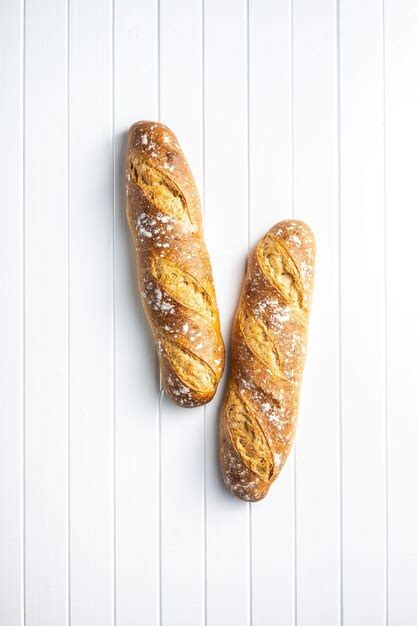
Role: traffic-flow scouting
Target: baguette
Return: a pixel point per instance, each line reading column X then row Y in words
column 259, row 414
column 173, row 267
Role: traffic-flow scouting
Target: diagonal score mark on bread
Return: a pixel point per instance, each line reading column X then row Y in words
column 259, row 342
column 182, row 287
column 247, row 436
column 159, row 189
column 280, row 269
column 190, row 369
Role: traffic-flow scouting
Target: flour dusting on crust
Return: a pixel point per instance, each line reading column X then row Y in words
column 271, row 394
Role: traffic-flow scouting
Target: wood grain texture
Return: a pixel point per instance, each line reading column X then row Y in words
column 11, row 329
column 272, row 102
column 315, row 154
column 401, row 197
column 363, row 312
column 91, row 314
column 46, row 327
column 136, row 404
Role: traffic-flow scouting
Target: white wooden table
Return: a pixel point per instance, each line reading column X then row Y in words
column 112, row 511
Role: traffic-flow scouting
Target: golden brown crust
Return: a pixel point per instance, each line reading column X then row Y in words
column 259, row 413
column 173, row 267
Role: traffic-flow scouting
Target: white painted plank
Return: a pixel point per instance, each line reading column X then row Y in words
column 136, row 382
column 46, row 320
column 401, row 200
column 226, row 227
column 11, row 335
column 182, row 431
column 211, row 120
column 270, row 113
column 362, row 312
column 90, row 306
column 316, row 202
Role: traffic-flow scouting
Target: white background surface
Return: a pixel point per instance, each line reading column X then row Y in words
column 112, row 509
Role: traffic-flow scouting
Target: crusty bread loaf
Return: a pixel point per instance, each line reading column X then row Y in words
column 259, row 414
column 173, row 266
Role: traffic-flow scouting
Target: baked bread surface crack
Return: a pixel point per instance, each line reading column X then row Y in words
column 248, row 437
column 190, row 369
column 280, row 269
column 182, row 287
column 159, row 189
